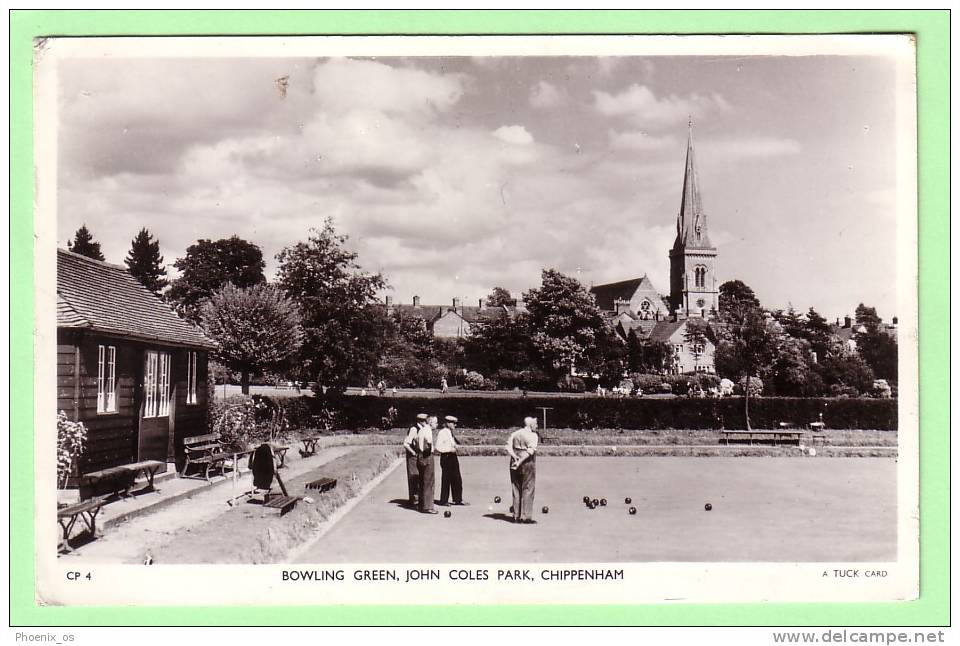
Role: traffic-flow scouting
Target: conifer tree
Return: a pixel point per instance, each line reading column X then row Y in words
column 84, row 244
column 145, row 262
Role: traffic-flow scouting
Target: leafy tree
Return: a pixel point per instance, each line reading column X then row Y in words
column 345, row 328
column 145, row 262
column 735, row 293
column 792, row 373
column 816, row 330
column 84, row 244
column 208, row 266
column 500, row 343
column 565, row 322
column 847, row 373
column 499, row 297
column 792, row 322
column 256, row 328
column 879, row 351
column 644, row 355
column 409, row 356
column 867, row 317
column 748, row 344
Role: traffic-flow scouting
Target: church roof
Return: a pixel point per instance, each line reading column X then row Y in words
column 607, row 294
column 663, row 330
column 692, row 221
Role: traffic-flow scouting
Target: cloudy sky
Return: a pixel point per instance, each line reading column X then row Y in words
column 453, row 175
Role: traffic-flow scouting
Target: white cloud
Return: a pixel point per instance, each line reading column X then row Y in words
column 513, row 135
column 640, row 140
column 759, row 147
column 545, row 95
column 342, row 85
column 641, row 106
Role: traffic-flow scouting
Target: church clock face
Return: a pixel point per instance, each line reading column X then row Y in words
column 701, row 302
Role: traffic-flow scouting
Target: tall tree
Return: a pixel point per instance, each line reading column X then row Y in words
column 256, row 329
column 84, row 244
column 500, row 296
column 145, row 262
column 879, row 351
column 565, row 322
column 748, row 344
column 734, row 293
column 817, row 332
column 867, row 317
column 345, row 327
column 499, row 343
column 208, row 266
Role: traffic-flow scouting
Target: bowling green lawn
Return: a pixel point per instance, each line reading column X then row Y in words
column 764, row 509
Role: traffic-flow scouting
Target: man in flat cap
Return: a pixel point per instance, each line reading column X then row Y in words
column 411, row 447
column 449, row 463
column 426, row 465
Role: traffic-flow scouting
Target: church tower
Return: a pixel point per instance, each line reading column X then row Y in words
column 694, row 289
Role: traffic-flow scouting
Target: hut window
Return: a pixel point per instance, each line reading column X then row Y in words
column 191, row 377
column 107, row 379
column 156, row 384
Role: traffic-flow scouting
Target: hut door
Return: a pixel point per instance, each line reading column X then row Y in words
column 155, row 406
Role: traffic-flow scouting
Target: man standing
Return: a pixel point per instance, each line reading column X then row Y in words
column 522, row 447
column 411, row 446
column 449, row 463
column 425, row 465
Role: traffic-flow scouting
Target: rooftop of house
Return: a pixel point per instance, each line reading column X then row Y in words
column 102, row 297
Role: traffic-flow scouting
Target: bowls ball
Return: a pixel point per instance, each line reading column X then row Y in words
column 633, row 511
column 595, row 502
column 603, row 502
column 447, row 514
column 586, row 500
column 627, row 501
column 545, row 509
column 497, row 499
column 708, row 506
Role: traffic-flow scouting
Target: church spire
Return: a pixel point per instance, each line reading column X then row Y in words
column 691, row 221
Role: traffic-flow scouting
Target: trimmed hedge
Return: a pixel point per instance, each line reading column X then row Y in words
column 590, row 412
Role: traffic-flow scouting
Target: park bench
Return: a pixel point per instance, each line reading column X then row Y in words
column 68, row 516
column 309, row 445
column 322, row 484
column 119, row 479
column 203, row 450
column 776, row 436
column 818, row 436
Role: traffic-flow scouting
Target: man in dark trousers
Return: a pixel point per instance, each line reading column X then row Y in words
column 425, row 465
column 411, row 448
column 449, row 463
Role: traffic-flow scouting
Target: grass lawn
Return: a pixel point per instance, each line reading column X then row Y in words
column 764, row 509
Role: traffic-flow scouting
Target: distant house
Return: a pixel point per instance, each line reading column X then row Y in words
column 453, row 321
column 688, row 355
column 128, row 367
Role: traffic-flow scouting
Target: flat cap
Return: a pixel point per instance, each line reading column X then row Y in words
column 422, row 417
column 451, row 418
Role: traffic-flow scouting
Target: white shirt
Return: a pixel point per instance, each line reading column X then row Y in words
column 411, row 438
column 445, row 442
column 425, row 437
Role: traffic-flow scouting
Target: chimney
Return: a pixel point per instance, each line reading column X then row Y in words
column 456, row 302
column 838, row 321
column 416, row 301
column 847, row 321
column 388, row 301
column 895, row 321
column 482, row 305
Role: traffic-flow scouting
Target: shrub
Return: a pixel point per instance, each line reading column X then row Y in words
column 571, row 384
column 665, row 387
column 646, row 382
column 631, row 412
column 756, row 386
column 508, row 379
column 71, row 438
column 473, row 381
column 240, row 420
column 881, row 389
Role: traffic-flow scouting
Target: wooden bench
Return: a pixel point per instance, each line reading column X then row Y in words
column 309, row 445
column 283, row 504
column 204, row 450
column 322, row 485
column 68, row 516
column 120, row 479
column 776, row 436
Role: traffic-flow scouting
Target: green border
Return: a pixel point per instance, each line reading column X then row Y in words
column 932, row 30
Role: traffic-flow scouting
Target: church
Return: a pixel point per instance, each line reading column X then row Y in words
column 637, row 305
